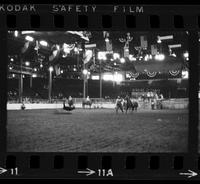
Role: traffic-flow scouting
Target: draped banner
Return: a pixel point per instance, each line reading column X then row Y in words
column 174, row 72
column 132, row 74
column 151, row 74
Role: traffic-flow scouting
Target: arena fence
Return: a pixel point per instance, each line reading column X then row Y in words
column 181, row 103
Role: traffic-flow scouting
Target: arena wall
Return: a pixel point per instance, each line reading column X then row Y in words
column 166, row 104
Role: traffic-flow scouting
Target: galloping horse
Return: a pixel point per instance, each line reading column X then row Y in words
column 86, row 102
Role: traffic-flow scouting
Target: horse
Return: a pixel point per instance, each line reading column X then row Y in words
column 134, row 105
column 128, row 104
column 68, row 108
column 86, row 102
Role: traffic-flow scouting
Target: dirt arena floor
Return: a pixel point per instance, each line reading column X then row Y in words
column 97, row 130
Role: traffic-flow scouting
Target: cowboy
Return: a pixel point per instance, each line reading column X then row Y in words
column 88, row 99
column 70, row 101
column 118, row 104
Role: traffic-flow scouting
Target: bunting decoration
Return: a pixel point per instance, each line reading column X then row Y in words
column 151, row 74
column 133, row 75
column 174, row 72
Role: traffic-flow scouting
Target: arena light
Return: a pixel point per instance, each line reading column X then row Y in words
column 131, row 58
column 35, row 69
column 117, row 77
column 27, row 63
column 16, row 33
column 160, row 57
column 186, row 55
column 34, row 75
column 146, row 58
column 159, row 40
column 174, row 46
column 85, row 72
column 169, row 37
column 122, row 60
column 11, row 59
column 28, row 32
column 116, row 56
column 41, row 65
column 43, row 43
column 185, row 74
column 173, row 54
column 51, row 69
column 106, row 40
column 29, row 38
column 95, row 77
column 108, row 77
column 102, row 55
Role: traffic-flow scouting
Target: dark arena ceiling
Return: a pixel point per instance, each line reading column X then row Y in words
column 71, row 60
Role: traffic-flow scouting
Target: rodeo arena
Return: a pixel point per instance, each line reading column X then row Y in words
column 97, row 91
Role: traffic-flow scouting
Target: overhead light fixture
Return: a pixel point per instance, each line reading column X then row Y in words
column 16, row 33
column 43, row 43
column 122, row 60
column 117, row 77
column 61, row 71
column 27, row 32
column 160, row 57
column 27, row 63
column 95, row 77
column 186, row 54
column 29, row 38
column 159, row 40
column 85, row 72
column 106, row 40
column 174, row 46
column 173, row 54
column 116, row 56
column 132, row 58
column 102, row 55
column 34, row 75
column 35, row 69
column 41, row 65
column 108, row 77
column 51, row 69
column 11, row 59
column 169, row 37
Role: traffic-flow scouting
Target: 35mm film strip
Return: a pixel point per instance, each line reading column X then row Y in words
column 99, row 91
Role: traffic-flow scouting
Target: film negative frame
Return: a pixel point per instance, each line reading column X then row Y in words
column 106, row 165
